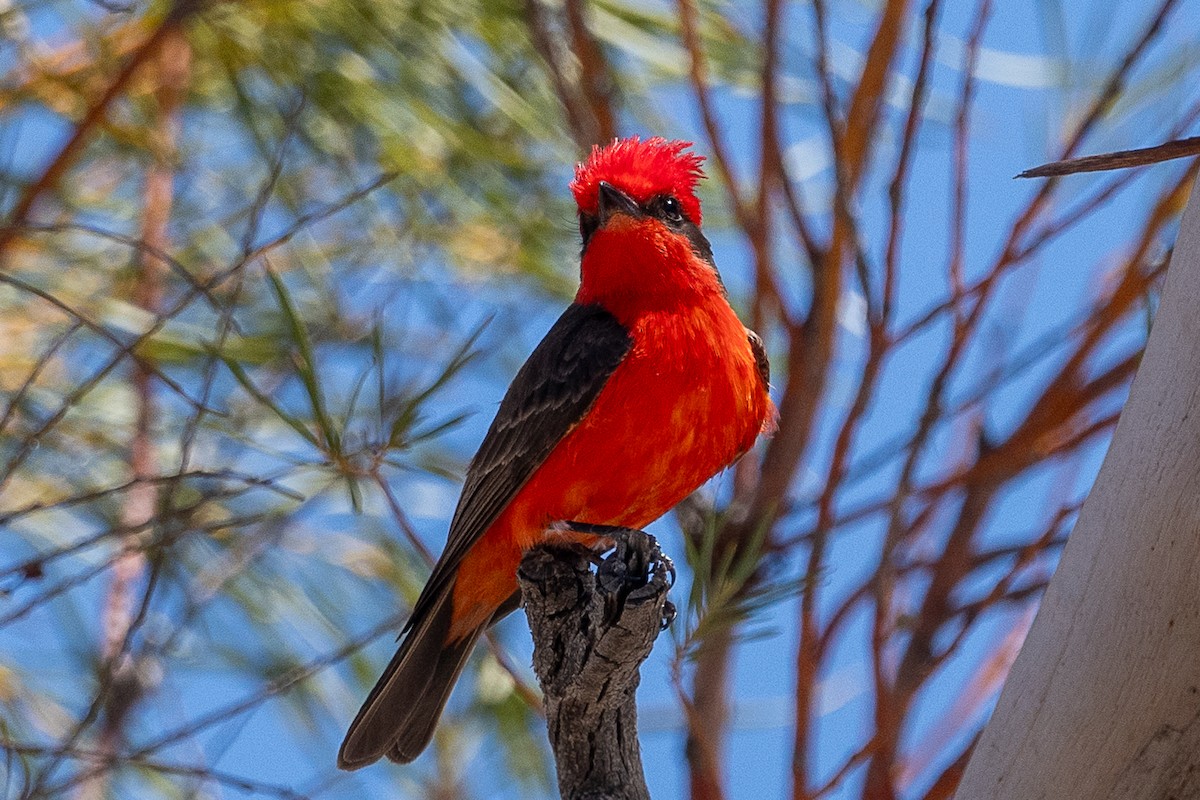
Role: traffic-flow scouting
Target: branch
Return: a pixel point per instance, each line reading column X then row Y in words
column 1122, row 159
column 591, row 632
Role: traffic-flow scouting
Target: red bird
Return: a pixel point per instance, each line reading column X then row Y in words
column 646, row 387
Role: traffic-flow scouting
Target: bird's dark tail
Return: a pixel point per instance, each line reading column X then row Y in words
column 400, row 713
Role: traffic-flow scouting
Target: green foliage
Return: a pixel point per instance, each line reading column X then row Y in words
column 728, row 587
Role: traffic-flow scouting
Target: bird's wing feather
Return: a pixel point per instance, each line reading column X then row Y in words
column 550, row 395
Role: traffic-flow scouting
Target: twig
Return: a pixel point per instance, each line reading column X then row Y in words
column 595, row 79
column 698, row 76
column 1121, row 159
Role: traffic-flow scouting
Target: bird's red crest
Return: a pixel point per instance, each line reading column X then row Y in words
column 642, row 169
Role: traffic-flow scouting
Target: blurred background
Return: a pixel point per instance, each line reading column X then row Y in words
column 266, row 269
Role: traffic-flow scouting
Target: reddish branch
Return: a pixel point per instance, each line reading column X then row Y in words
column 707, row 717
column 580, row 74
column 863, row 117
column 596, row 79
column 812, row 349
column 698, row 76
column 141, row 501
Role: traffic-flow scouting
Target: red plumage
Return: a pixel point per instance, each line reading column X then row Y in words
column 644, row 389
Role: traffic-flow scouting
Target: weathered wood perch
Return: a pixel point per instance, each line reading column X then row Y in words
column 591, row 632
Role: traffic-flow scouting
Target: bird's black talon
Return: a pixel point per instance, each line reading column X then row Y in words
column 669, row 613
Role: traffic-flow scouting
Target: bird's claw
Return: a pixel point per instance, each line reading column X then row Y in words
column 637, row 562
column 669, row 613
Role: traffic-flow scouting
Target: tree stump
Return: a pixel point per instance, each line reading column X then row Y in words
column 591, row 632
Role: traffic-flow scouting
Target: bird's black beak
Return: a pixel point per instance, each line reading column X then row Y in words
column 614, row 201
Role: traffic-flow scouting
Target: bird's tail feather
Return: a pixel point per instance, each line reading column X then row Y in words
column 401, row 712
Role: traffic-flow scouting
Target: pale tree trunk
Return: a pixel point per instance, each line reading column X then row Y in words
column 1104, row 699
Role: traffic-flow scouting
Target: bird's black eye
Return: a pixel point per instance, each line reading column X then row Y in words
column 672, row 210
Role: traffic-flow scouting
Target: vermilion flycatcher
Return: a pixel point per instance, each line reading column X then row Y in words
column 646, row 387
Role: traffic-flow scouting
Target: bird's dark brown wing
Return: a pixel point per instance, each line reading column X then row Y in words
column 549, row 396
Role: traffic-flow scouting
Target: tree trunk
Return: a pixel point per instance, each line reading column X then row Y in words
column 591, row 632
column 1104, row 699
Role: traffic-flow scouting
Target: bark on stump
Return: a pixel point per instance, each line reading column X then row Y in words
column 591, row 632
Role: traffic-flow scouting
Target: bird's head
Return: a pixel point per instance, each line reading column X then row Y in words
column 640, row 221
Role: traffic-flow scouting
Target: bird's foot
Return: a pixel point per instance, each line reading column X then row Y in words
column 636, row 571
column 635, row 548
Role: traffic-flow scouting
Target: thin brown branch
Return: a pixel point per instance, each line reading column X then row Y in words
column 878, row 346
column 708, row 716
column 304, row 221
column 1120, row 159
column 899, row 182
column 548, row 44
column 18, row 397
column 124, row 349
column 962, row 131
column 249, row 482
column 698, row 76
column 867, row 100
column 595, row 79
column 829, row 100
column 773, row 175
column 204, row 773
column 578, row 69
column 857, row 758
column 918, row 659
column 812, row 348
